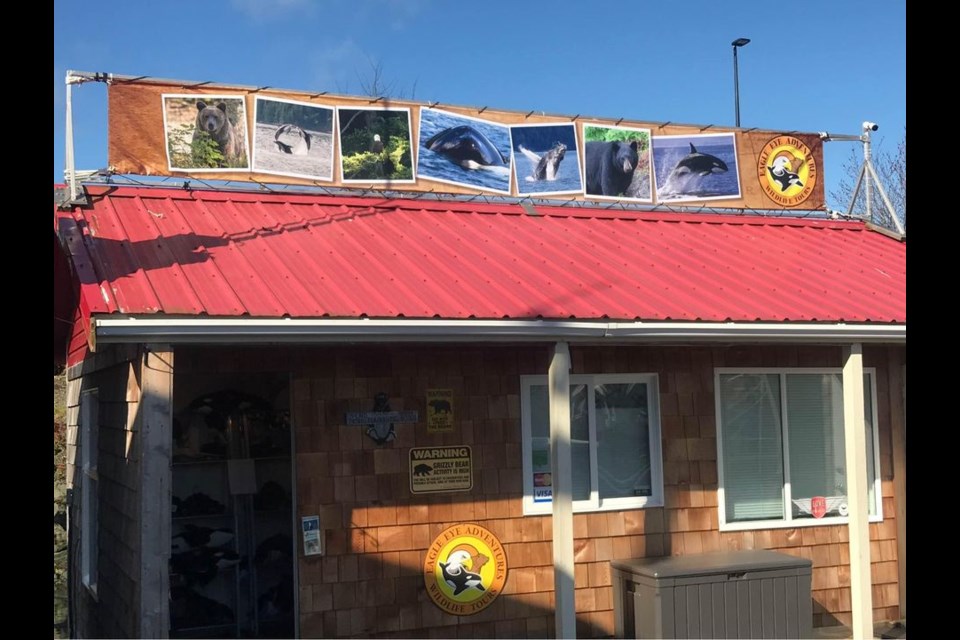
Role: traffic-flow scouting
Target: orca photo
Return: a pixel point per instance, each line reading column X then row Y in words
column 696, row 167
column 375, row 145
column 617, row 163
column 293, row 138
column 205, row 132
column 545, row 159
column 465, row 151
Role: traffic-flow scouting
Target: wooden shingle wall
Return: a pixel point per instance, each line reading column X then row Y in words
column 369, row 582
column 114, row 613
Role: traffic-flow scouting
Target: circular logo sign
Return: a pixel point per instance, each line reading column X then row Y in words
column 787, row 171
column 465, row 569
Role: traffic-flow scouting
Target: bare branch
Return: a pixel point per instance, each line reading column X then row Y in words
column 891, row 168
column 374, row 83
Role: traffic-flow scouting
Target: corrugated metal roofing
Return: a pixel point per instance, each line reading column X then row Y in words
column 148, row 251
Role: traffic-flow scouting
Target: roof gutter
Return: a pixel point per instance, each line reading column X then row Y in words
column 113, row 330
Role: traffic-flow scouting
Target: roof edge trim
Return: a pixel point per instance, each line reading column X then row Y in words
column 113, row 330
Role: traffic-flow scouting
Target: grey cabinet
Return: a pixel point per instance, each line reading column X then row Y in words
column 736, row 594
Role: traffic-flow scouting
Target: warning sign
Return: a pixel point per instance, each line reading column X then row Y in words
column 439, row 410
column 439, row 469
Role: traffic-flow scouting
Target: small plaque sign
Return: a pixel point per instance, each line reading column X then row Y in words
column 382, row 417
column 312, row 536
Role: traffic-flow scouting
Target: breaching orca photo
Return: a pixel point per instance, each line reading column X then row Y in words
column 465, row 151
column 696, row 167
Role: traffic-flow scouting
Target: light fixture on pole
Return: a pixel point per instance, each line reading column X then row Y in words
column 739, row 42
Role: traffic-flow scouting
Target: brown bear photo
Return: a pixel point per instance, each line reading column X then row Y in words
column 205, row 132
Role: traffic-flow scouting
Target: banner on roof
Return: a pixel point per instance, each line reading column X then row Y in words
column 282, row 137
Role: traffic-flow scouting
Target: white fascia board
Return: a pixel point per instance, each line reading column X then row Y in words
column 112, row 329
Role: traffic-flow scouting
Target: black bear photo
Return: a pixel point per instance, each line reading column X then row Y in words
column 617, row 163
column 609, row 167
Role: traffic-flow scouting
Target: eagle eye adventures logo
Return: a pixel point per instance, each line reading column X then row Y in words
column 465, row 569
column 787, row 171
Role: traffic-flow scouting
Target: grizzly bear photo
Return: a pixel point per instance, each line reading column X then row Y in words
column 213, row 121
column 205, row 132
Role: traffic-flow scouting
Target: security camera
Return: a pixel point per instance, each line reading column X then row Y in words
column 870, row 126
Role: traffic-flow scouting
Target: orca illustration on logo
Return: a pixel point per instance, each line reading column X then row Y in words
column 783, row 172
column 456, row 570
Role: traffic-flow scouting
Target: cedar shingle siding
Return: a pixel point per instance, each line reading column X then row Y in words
column 114, row 613
column 369, row 581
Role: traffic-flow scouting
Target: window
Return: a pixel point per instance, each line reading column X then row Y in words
column 781, row 448
column 89, row 532
column 615, row 442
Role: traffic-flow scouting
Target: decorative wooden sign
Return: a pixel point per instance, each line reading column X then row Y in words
column 380, row 421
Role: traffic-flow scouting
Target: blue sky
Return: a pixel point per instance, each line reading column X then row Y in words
column 819, row 65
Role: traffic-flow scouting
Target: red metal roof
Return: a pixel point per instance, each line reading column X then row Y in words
column 149, row 250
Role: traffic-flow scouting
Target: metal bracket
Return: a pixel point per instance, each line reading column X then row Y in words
column 64, row 201
column 528, row 207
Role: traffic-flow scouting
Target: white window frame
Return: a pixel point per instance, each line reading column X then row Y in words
column 595, row 503
column 788, row 522
column 89, row 505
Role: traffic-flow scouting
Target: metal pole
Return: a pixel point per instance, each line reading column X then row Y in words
column 736, row 85
column 866, row 176
column 68, row 152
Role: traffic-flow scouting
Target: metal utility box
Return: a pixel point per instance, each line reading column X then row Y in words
column 735, row 594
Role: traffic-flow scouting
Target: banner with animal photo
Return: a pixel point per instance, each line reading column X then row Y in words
column 227, row 132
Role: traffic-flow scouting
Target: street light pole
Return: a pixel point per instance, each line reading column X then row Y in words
column 739, row 42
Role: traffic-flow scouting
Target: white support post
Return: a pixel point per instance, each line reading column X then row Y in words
column 855, row 442
column 156, row 446
column 561, row 468
column 71, row 169
column 898, row 417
